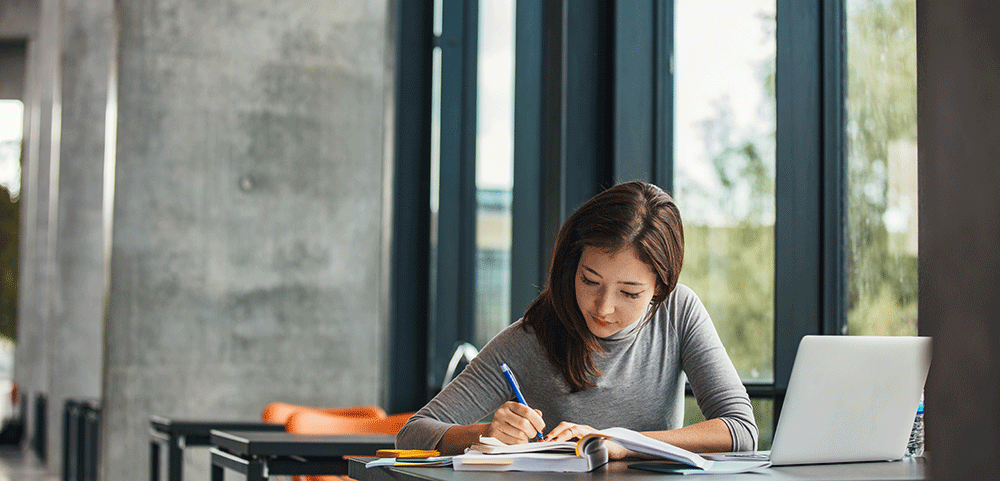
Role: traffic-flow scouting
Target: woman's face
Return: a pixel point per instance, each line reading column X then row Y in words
column 613, row 289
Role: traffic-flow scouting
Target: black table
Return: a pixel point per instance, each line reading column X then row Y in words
column 907, row 469
column 179, row 434
column 258, row 454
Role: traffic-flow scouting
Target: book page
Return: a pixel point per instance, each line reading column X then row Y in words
column 641, row 443
column 488, row 445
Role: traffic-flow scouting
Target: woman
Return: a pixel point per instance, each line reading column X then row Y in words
column 607, row 343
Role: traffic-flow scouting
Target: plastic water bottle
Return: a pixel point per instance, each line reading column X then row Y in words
column 916, row 445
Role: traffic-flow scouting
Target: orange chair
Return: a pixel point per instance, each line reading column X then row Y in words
column 311, row 421
column 308, row 421
column 279, row 412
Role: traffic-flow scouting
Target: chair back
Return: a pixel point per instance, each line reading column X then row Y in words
column 362, row 419
column 316, row 422
column 280, row 412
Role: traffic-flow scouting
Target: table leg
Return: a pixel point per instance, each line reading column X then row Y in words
column 255, row 470
column 67, row 473
column 154, row 460
column 175, row 459
column 217, row 473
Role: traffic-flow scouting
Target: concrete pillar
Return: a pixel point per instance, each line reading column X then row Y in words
column 77, row 318
column 19, row 21
column 36, row 266
column 246, row 239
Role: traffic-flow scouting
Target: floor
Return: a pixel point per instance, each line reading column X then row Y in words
column 17, row 464
column 22, row 465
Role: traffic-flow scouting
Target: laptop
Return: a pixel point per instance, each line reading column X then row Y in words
column 849, row 399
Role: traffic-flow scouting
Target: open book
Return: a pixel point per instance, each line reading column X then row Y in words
column 490, row 454
column 584, row 455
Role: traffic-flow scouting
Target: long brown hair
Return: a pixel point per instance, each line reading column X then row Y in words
column 635, row 214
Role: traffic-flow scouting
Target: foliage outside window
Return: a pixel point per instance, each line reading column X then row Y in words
column 725, row 172
column 11, row 123
column 724, row 160
column 881, row 131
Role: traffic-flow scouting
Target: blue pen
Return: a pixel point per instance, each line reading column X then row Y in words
column 517, row 389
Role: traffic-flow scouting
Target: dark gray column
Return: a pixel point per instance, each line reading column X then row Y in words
column 957, row 103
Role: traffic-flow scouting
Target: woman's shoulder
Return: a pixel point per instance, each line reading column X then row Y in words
column 683, row 297
column 683, row 291
column 514, row 342
column 682, row 306
column 514, row 334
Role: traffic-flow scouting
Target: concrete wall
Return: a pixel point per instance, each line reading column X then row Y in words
column 18, row 18
column 216, row 243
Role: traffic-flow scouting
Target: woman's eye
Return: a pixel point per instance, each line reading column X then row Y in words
column 588, row 281
column 631, row 295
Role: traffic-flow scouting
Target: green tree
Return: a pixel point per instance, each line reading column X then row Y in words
column 882, row 113
column 9, row 226
column 730, row 264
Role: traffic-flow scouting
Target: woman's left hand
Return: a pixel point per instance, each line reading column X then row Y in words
column 566, row 431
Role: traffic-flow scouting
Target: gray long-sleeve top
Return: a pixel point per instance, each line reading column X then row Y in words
column 641, row 388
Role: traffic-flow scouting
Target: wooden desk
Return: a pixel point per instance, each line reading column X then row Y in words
column 179, row 434
column 908, row 469
column 259, row 455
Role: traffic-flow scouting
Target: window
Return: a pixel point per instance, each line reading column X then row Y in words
column 724, row 170
column 786, row 131
column 724, row 179
column 881, row 132
column 494, row 169
column 471, row 176
column 11, row 132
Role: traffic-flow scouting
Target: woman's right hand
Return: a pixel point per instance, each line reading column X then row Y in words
column 515, row 423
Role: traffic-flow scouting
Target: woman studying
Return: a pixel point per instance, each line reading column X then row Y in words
column 608, row 342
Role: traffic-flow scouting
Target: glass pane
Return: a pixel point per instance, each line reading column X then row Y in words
column 435, row 186
column 763, row 413
column 435, row 160
column 11, row 137
column 724, row 152
column 881, row 131
column 11, row 132
column 494, row 167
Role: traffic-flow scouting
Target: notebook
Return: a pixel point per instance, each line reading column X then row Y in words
column 849, row 399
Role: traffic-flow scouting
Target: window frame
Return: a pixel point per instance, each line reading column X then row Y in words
column 566, row 60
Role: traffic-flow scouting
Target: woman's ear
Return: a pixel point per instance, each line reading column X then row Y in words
column 658, row 292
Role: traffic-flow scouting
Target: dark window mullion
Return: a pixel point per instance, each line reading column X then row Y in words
column 798, row 182
column 834, row 169
column 635, row 94
column 643, row 80
column 410, row 245
column 528, row 260
column 586, row 152
column 454, row 302
column 663, row 168
column 809, row 250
